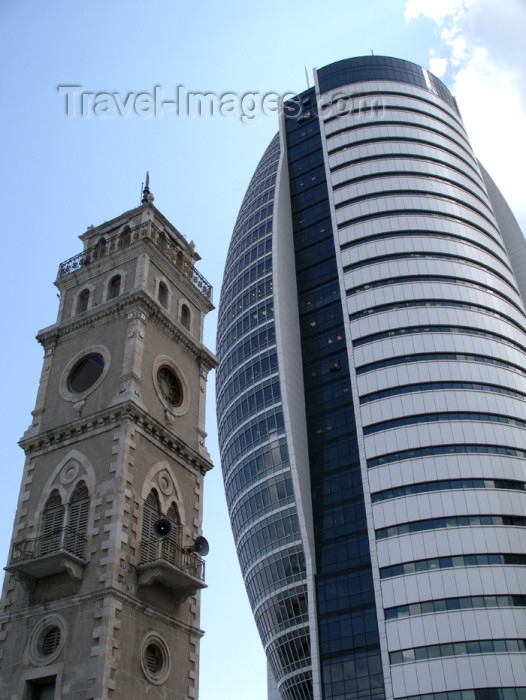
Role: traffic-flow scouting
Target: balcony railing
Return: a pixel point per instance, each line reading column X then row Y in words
column 65, row 540
column 60, row 550
column 164, row 562
column 129, row 236
column 155, row 550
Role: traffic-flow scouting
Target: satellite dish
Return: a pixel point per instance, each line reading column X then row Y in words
column 200, row 546
column 162, row 528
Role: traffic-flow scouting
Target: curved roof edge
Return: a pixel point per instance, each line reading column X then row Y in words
column 363, row 68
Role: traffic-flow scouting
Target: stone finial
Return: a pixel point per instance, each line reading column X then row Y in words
column 147, row 196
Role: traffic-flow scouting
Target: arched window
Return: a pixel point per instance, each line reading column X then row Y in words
column 83, row 301
column 170, row 545
column 52, row 521
column 161, row 241
column 101, row 248
column 185, row 316
column 125, row 237
column 77, row 525
column 151, row 512
column 162, row 294
column 114, row 287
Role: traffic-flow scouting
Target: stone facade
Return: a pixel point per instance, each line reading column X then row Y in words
column 94, row 606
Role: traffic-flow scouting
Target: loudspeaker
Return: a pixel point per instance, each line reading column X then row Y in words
column 162, row 528
column 200, row 546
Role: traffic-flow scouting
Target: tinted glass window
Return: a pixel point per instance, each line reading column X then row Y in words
column 85, row 373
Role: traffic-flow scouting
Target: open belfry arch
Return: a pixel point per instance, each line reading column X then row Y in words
column 97, row 602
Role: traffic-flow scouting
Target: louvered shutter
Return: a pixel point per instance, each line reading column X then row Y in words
column 170, row 544
column 78, row 521
column 52, row 524
column 149, row 544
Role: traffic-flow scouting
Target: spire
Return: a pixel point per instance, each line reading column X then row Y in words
column 147, row 196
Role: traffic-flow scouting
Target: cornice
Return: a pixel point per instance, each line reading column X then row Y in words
column 57, row 606
column 50, row 336
column 108, row 419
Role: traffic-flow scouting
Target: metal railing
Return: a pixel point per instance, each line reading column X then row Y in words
column 127, row 237
column 154, row 550
column 65, row 540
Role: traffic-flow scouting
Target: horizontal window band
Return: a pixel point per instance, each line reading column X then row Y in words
column 412, row 156
column 380, row 108
column 442, row 279
column 440, row 417
column 460, row 143
column 451, row 562
column 478, row 646
column 427, row 213
column 397, row 141
column 426, row 194
column 439, row 386
column 414, row 174
column 441, row 450
column 437, row 304
column 418, row 233
column 453, row 521
column 424, row 255
column 401, row 332
column 446, row 485
column 435, row 357
column 452, row 604
column 414, row 100
column 507, row 693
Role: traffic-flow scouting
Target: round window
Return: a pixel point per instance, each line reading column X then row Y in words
column 85, row 373
column 169, row 385
column 155, row 659
column 49, row 641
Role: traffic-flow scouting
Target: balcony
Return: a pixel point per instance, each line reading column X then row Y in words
column 163, row 561
column 54, row 552
column 147, row 230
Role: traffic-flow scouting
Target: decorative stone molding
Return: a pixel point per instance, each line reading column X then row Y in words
column 155, row 658
column 49, row 336
column 43, row 650
column 109, row 419
column 79, row 398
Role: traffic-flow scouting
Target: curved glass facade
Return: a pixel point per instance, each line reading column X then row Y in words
column 254, row 451
column 409, row 492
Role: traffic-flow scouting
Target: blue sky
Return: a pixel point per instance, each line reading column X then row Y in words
column 60, row 174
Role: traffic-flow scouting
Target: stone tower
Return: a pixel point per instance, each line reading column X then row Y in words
column 94, row 604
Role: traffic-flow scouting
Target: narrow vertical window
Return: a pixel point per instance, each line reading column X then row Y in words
column 53, row 519
column 170, row 545
column 114, row 287
column 162, row 294
column 185, row 316
column 101, row 248
column 83, row 301
column 125, row 237
column 151, row 512
column 77, row 526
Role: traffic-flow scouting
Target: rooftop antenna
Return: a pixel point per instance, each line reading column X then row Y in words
column 372, row 52
column 307, row 77
column 147, row 196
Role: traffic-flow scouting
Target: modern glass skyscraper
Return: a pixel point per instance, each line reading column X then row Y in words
column 371, row 398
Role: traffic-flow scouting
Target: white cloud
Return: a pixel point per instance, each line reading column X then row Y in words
column 459, row 49
column 434, row 9
column 483, row 61
column 438, row 65
column 489, row 99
